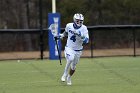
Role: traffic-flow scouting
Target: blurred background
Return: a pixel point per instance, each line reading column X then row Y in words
column 24, row 14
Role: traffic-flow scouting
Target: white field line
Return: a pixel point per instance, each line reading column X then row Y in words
column 53, row 71
column 16, row 72
column 36, row 82
column 87, row 70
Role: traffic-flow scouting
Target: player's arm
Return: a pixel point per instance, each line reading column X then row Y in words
column 64, row 34
column 85, row 38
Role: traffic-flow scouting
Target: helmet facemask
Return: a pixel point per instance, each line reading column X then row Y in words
column 79, row 22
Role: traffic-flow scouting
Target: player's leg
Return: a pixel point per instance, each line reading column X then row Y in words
column 73, row 67
column 71, row 72
column 73, row 64
column 65, row 74
column 69, row 55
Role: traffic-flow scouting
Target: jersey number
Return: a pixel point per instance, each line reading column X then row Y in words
column 73, row 38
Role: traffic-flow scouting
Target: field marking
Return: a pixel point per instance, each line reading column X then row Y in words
column 116, row 69
column 53, row 71
column 16, row 72
column 117, row 74
column 26, row 82
column 36, row 82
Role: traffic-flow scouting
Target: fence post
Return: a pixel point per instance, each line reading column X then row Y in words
column 134, row 40
column 41, row 30
column 91, row 43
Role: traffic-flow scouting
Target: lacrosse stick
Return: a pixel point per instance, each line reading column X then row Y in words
column 53, row 29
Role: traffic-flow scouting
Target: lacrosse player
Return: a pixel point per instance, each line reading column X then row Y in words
column 77, row 36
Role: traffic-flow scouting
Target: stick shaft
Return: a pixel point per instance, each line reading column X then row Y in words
column 58, row 50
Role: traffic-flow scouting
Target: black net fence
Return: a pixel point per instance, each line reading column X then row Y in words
column 115, row 43
column 104, row 42
column 19, row 44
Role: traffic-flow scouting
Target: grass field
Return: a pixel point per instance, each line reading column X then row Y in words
column 97, row 75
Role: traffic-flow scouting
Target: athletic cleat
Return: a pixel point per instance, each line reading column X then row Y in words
column 63, row 78
column 69, row 80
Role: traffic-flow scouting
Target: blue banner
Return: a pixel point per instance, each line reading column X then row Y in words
column 54, row 29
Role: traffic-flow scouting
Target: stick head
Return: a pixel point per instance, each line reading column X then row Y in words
column 53, row 29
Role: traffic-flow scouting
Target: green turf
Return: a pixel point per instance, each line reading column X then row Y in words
column 97, row 75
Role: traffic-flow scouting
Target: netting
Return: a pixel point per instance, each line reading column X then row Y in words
column 26, row 44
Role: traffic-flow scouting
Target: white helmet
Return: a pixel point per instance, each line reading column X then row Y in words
column 78, row 19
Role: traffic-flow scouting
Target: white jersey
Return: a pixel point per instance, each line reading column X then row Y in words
column 74, row 41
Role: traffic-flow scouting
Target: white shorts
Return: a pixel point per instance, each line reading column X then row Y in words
column 72, row 56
